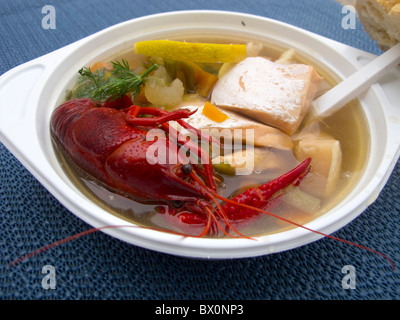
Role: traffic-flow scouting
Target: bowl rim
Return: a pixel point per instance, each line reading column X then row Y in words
column 48, row 68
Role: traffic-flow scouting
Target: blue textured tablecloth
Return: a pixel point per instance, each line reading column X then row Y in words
column 100, row 267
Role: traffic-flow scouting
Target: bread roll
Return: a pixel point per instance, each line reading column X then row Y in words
column 381, row 20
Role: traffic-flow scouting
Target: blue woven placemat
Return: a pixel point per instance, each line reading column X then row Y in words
column 100, row 267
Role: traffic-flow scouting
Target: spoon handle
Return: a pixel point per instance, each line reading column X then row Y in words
column 352, row 86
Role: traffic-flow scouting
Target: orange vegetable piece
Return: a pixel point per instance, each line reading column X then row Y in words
column 204, row 80
column 205, row 84
column 213, row 113
column 100, row 65
column 141, row 97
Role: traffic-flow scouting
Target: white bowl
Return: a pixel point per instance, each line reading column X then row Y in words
column 35, row 88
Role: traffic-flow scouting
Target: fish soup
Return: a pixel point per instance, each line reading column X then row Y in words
column 337, row 145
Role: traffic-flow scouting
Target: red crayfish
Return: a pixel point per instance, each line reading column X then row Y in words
column 109, row 143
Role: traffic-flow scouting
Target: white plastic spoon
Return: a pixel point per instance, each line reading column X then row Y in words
column 352, row 86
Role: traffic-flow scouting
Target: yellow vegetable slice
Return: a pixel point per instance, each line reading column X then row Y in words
column 195, row 52
column 213, row 113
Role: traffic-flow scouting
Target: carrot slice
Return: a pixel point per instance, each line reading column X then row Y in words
column 100, row 65
column 213, row 113
column 205, row 81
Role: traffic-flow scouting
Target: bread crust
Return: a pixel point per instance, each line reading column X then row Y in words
column 381, row 20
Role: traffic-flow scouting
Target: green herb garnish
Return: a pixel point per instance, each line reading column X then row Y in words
column 120, row 80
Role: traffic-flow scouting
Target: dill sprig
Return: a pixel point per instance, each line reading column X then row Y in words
column 119, row 82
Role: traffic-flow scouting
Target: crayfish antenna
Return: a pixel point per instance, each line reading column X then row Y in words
column 226, row 220
column 205, row 158
column 82, row 234
column 306, row 228
column 207, row 227
column 221, row 212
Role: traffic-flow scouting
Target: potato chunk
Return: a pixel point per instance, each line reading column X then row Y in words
column 325, row 166
column 276, row 94
column 161, row 90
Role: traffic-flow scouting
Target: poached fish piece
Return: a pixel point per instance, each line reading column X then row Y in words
column 264, row 135
column 276, row 94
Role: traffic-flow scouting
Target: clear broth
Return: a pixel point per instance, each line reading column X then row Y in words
column 348, row 125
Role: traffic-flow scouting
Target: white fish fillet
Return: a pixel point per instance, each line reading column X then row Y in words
column 275, row 94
